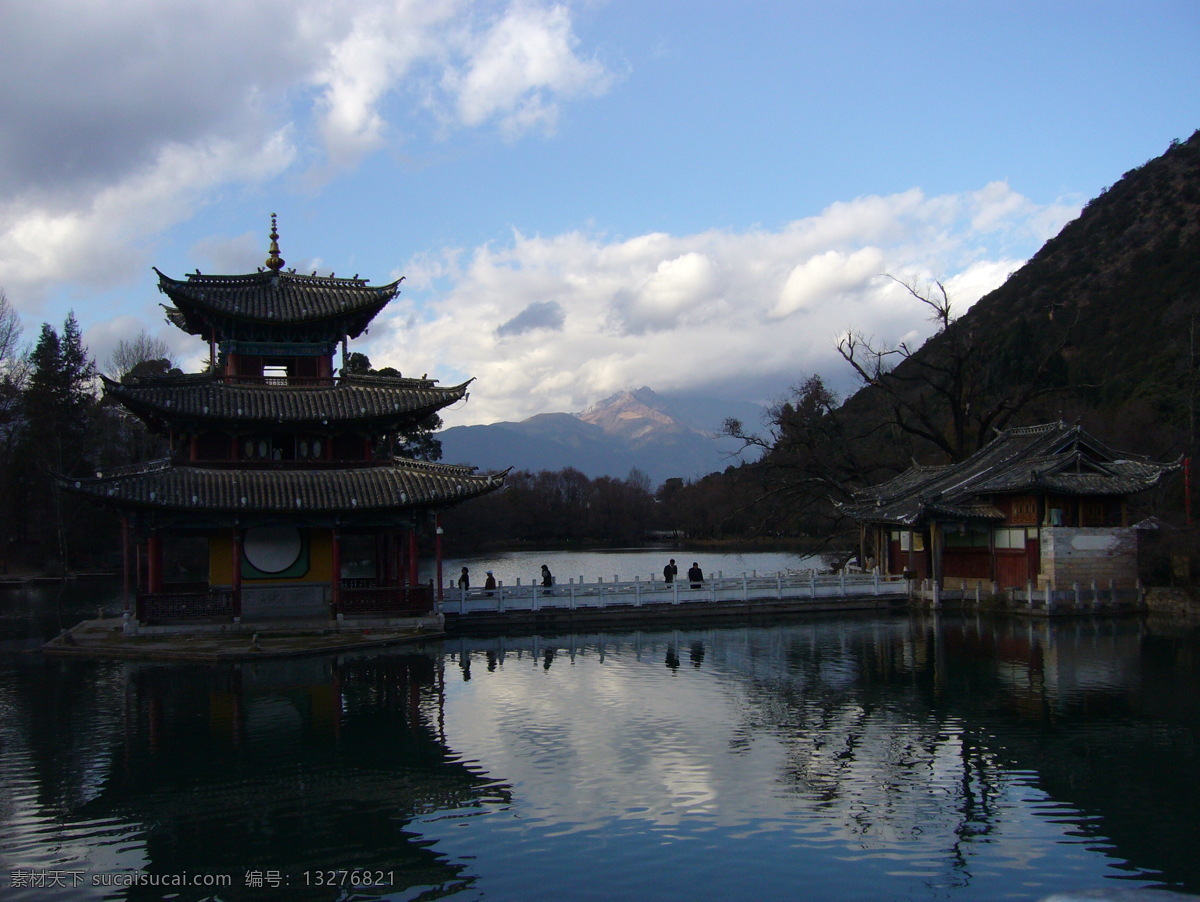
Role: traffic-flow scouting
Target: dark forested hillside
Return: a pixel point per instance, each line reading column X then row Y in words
column 1103, row 316
column 1099, row 326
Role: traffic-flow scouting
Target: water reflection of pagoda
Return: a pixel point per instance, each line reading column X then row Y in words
column 277, row 462
column 287, row 768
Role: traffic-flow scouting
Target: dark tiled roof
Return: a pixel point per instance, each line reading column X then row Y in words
column 398, row 485
column 1054, row 458
column 279, row 300
column 352, row 400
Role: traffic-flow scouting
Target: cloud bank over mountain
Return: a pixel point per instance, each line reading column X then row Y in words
column 558, row 322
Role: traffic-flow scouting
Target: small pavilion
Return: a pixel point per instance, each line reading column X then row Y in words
column 1044, row 505
column 278, row 464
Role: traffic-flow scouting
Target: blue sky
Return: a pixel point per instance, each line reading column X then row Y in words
column 583, row 197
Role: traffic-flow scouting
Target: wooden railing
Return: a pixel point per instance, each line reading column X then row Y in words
column 294, row 381
column 185, row 605
column 358, row 598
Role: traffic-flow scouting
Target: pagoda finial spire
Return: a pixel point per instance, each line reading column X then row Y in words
column 274, row 262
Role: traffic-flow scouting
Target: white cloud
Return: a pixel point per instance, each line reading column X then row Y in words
column 680, row 288
column 122, row 119
column 100, row 242
column 713, row 311
column 382, row 45
column 826, row 278
column 516, row 67
column 995, row 205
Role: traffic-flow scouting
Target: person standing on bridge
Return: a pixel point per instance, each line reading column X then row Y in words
column 695, row 575
column 670, row 571
column 547, row 579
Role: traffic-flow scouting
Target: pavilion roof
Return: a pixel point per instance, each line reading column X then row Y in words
column 1055, row 458
column 285, row 305
column 392, row 486
column 352, row 400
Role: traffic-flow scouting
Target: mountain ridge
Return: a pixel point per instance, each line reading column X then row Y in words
column 663, row 436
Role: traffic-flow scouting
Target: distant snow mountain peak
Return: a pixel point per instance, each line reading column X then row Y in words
column 639, row 416
column 664, row 436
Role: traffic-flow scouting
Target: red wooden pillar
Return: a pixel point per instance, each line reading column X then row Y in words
column 1187, row 492
column 125, row 564
column 383, row 559
column 138, row 583
column 336, row 593
column 236, row 555
column 154, row 563
column 437, row 552
column 412, row 557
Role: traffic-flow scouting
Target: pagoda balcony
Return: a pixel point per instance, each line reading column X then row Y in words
column 186, row 603
column 361, row 596
column 289, row 381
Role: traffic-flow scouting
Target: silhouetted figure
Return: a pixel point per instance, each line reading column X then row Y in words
column 695, row 575
column 490, row 583
column 464, row 579
column 547, row 579
column 670, row 571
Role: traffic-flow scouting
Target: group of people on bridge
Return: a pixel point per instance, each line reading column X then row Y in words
column 489, row 583
column 695, row 575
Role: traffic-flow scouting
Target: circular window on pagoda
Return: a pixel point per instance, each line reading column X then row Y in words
column 316, row 447
column 273, row 549
column 303, row 448
column 248, row 449
column 262, row 449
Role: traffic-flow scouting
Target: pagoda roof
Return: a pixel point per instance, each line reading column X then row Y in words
column 1055, row 459
column 283, row 305
column 390, row 487
column 352, row 400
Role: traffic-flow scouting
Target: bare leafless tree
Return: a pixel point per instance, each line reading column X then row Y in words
column 14, row 365
column 130, row 352
column 10, row 333
column 955, row 393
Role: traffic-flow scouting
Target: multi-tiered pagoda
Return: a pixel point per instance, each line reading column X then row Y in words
column 278, row 463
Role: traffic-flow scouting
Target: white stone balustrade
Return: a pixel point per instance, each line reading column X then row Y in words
column 746, row 588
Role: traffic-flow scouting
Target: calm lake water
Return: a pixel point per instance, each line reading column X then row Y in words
column 904, row 757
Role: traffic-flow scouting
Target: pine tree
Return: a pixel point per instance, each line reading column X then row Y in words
column 56, row 438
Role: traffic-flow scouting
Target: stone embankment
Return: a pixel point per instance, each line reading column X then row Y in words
column 1183, row 602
